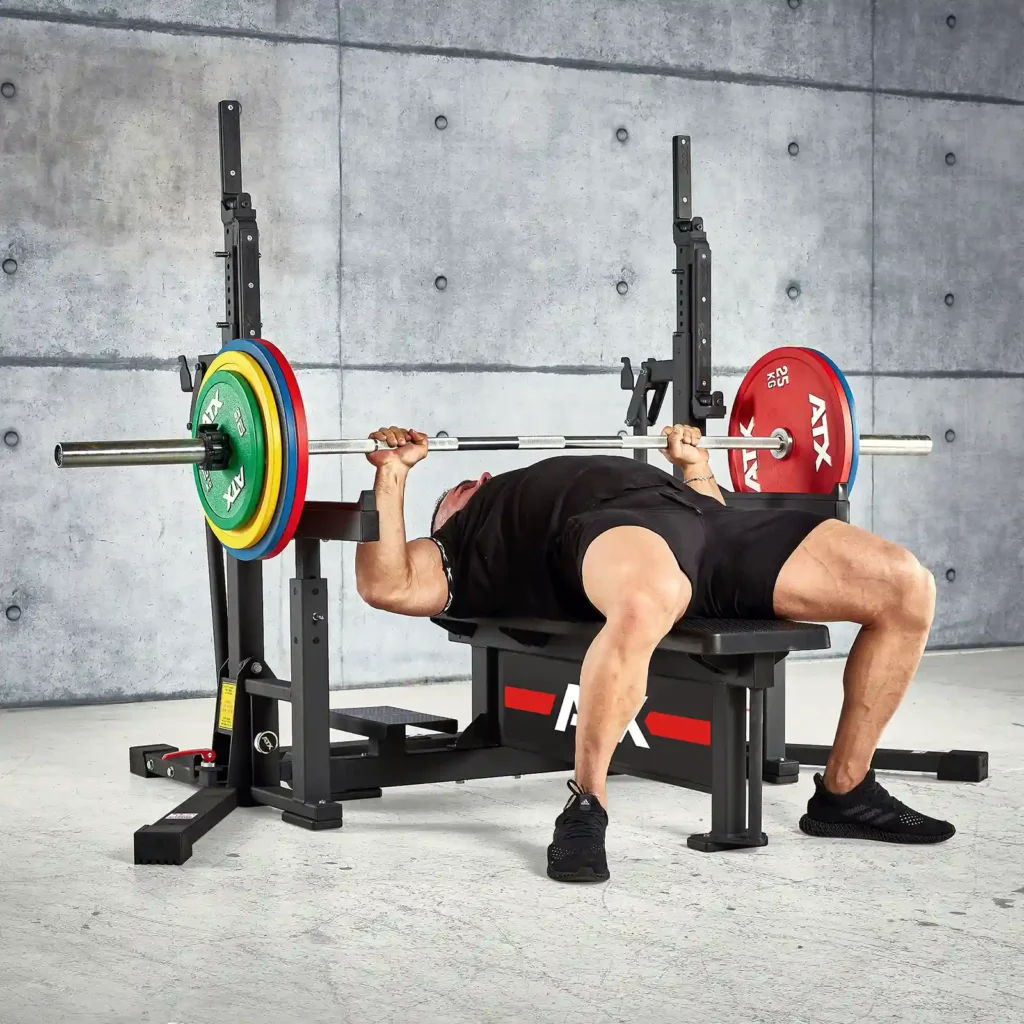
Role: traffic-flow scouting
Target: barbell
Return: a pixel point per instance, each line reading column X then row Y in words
column 250, row 448
column 187, row 452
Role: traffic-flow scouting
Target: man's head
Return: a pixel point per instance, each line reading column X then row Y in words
column 453, row 499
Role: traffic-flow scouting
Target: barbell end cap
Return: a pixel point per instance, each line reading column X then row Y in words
column 58, row 455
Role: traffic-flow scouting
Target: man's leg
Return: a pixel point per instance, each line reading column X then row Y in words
column 632, row 578
column 841, row 573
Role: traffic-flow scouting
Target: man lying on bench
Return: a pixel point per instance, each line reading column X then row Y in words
column 606, row 537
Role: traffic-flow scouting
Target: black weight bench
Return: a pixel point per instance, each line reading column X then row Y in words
column 692, row 730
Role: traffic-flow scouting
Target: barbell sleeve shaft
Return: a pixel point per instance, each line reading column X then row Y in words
column 193, row 451
column 895, row 444
column 185, row 452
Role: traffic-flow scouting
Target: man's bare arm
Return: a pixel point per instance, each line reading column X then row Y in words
column 392, row 573
column 683, row 452
column 702, row 480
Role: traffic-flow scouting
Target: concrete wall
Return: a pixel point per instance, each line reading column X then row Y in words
column 530, row 206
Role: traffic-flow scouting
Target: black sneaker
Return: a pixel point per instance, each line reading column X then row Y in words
column 869, row 812
column 576, row 853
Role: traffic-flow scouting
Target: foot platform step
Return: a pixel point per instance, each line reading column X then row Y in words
column 388, row 723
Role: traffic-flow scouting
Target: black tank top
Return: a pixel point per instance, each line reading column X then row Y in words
column 501, row 551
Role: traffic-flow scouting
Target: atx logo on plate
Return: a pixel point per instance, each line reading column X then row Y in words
column 237, row 485
column 236, row 488
column 213, row 407
column 819, row 431
column 749, row 458
column 819, row 439
column 567, row 717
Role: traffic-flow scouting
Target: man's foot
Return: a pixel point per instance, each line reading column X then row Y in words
column 576, row 853
column 869, row 812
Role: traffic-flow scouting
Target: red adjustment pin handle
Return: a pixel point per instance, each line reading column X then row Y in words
column 205, row 753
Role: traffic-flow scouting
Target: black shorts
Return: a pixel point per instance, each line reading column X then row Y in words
column 731, row 556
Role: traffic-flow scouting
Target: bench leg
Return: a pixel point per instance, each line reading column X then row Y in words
column 779, row 769
column 731, row 798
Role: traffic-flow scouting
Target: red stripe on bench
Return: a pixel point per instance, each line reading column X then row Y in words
column 678, row 727
column 536, row 701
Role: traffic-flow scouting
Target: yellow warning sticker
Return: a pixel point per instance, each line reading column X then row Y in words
column 226, row 715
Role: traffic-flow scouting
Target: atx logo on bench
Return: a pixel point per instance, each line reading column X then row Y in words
column 567, row 717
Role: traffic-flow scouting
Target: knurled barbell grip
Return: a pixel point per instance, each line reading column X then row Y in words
column 780, row 441
column 540, row 442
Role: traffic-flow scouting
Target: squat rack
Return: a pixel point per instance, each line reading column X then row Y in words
column 245, row 764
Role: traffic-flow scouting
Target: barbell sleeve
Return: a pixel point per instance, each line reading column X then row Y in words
column 194, row 451
column 895, row 444
column 184, row 452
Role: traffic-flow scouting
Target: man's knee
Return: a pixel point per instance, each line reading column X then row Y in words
column 644, row 613
column 911, row 591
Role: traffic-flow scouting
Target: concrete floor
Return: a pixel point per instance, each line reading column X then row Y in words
column 431, row 904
